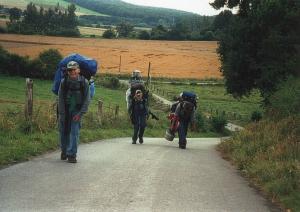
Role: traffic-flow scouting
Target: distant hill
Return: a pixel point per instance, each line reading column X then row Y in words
column 113, row 12
column 137, row 15
column 46, row 4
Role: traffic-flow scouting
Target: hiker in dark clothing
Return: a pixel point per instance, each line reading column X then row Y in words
column 139, row 113
column 73, row 101
column 185, row 111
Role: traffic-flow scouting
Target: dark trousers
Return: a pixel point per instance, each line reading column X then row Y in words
column 139, row 126
column 182, row 132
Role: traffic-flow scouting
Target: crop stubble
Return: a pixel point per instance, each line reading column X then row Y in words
column 173, row 59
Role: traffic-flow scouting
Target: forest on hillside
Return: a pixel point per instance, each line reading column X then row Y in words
column 137, row 15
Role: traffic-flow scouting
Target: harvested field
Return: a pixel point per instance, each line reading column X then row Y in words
column 173, row 59
column 91, row 31
column 3, row 22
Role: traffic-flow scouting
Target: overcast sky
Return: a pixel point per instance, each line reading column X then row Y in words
column 200, row 7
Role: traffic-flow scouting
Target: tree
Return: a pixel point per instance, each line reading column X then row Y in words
column 14, row 14
column 260, row 47
column 109, row 33
column 222, row 20
column 179, row 32
column 49, row 58
column 159, row 33
column 124, row 29
column 144, row 35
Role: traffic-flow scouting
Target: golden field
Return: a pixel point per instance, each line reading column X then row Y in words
column 172, row 59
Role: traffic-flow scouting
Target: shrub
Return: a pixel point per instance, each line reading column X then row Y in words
column 110, row 33
column 111, row 82
column 2, row 29
column 201, row 121
column 4, row 57
column 286, row 100
column 16, row 65
column 42, row 67
column 33, row 69
column 144, row 35
column 256, row 116
column 50, row 58
column 218, row 122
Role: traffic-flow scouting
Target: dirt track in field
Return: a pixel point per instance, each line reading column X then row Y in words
column 175, row 59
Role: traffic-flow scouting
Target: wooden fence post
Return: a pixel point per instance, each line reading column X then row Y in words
column 148, row 76
column 117, row 111
column 29, row 99
column 120, row 65
column 100, row 107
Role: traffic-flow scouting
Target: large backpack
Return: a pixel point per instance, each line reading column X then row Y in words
column 88, row 68
column 189, row 97
column 138, row 86
column 186, row 110
column 131, row 92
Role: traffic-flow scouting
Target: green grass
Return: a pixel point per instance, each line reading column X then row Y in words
column 214, row 99
column 269, row 154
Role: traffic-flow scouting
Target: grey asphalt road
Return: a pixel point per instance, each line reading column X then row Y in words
column 114, row 175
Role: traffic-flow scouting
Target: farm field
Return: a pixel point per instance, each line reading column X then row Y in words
column 91, row 31
column 170, row 59
column 3, row 22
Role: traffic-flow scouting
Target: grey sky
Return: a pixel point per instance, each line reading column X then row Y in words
column 201, row 7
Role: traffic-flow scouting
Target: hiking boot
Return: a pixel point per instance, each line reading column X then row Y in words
column 72, row 159
column 141, row 140
column 182, row 146
column 134, row 140
column 63, row 156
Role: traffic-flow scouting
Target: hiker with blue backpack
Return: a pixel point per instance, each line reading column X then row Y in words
column 73, row 102
column 74, row 86
column 182, row 114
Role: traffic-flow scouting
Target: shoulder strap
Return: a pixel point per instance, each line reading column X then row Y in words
column 82, row 86
column 65, row 88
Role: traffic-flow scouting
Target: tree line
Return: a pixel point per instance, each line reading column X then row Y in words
column 63, row 22
column 142, row 15
column 182, row 30
column 52, row 21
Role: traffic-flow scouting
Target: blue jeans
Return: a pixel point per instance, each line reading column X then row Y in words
column 69, row 140
column 182, row 132
column 139, row 126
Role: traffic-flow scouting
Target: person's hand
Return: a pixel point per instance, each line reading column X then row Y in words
column 76, row 118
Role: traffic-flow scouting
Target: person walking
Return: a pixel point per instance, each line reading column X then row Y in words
column 73, row 102
column 139, row 113
column 185, row 113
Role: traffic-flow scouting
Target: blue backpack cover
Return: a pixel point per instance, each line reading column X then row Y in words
column 190, row 97
column 88, row 68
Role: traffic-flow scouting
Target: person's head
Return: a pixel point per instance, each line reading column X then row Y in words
column 73, row 69
column 138, row 94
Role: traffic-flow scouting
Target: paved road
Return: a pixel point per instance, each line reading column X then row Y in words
column 114, row 175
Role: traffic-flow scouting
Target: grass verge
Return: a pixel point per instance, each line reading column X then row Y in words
column 268, row 153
